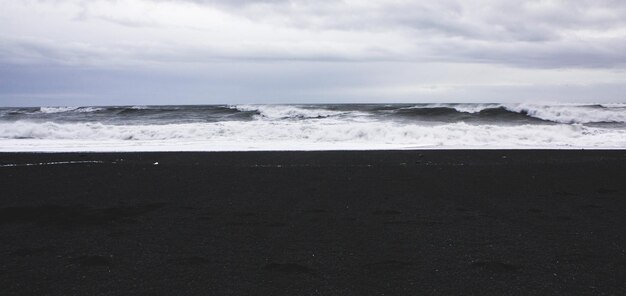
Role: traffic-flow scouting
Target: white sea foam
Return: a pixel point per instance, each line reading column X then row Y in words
column 474, row 108
column 570, row 113
column 287, row 111
column 465, row 108
column 88, row 109
column 298, row 135
column 49, row 110
column 56, row 109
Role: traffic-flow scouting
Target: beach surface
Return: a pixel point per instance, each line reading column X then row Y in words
column 482, row 222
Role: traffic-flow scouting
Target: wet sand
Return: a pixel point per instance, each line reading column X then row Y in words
column 308, row 223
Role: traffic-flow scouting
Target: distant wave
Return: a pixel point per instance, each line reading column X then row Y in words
column 570, row 113
column 49, row 110
column 614, row 105
column 138, row 110
column 463, row 108
column 505, row 113
column 56, row 109
column 459, row 113
column 606, row 113
column 287, row 111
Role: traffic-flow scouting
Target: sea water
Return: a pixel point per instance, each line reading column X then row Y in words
column 313, row 127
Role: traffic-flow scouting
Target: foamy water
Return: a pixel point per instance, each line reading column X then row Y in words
column 313, row 127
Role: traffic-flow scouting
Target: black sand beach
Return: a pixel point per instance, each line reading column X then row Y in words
column 314, row 223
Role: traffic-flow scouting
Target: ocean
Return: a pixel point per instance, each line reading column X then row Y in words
column 313, row 127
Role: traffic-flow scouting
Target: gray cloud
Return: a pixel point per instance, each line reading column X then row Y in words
column 289, row 50
column 520, row 33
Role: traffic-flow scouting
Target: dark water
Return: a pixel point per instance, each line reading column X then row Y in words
column 448, row 113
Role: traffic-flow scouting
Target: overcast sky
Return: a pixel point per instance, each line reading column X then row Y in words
column 107, row 52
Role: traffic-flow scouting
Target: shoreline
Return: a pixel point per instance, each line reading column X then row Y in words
column 384, row 149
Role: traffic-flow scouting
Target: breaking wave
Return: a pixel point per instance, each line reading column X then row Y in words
column 311, row 127
column 571, row 113
column 50, row 110
column 504, row 113
column 287, row 111
column 601, row 113
column 284, row 135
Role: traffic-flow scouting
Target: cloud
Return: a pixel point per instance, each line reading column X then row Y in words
column 538, row 34
column 290, row 50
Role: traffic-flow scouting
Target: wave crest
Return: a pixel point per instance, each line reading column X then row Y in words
column 287, row 111
column 570, row 113
column 603, row 113
column 50, row 110
column 300, row 135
